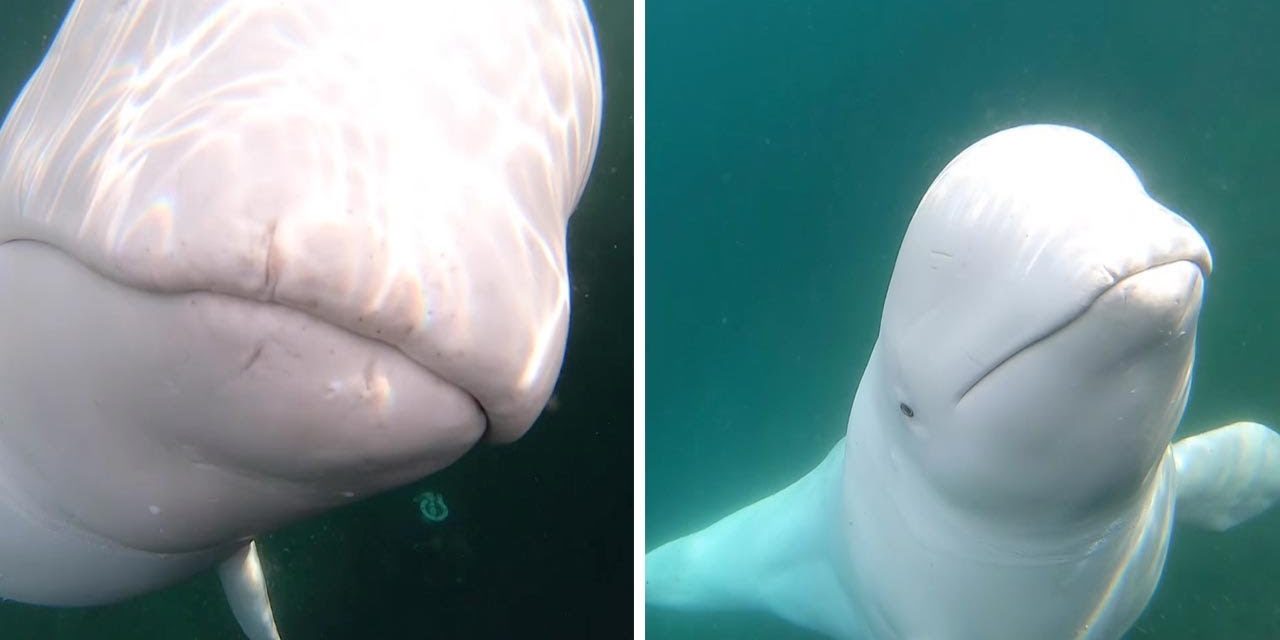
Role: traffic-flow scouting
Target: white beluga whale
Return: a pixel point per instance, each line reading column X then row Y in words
column 262, row 259
column 1008, row 468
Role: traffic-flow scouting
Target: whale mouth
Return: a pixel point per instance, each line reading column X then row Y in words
column 1198, row 261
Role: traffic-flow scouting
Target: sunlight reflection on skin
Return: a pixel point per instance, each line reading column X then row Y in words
column 263, row 259
column 317, row 183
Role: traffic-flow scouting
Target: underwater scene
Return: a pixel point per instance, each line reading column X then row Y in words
column 531, row 538
column 788, row 146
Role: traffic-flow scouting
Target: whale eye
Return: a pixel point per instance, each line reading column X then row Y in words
column 906, row 411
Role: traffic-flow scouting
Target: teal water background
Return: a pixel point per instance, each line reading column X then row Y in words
column 538, row 540
column 788, row 144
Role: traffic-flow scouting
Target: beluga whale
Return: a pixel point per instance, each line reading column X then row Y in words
column 1008, row 468
column 263, row 259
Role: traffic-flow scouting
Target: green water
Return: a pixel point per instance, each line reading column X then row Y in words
column 788, row 144
column 538, row 539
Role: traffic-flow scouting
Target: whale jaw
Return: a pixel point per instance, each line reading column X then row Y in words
column 900, row 532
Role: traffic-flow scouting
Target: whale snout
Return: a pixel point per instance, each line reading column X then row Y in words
column 1165, row 297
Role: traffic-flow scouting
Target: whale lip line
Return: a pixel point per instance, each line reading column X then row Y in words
column 488, row 422
column 1200, row 261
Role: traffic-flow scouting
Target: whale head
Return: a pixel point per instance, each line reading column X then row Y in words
column 1038, row 331
column 263, row 259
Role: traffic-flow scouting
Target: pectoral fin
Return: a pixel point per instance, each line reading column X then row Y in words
column 1227, row 475
column 246, row 589
column 773, row 555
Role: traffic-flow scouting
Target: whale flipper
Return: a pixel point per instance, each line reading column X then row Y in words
column 1227, row 475
column 772, row 555
column 246, row 590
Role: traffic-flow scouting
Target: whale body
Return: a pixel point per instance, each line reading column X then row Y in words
column 263, row 259
column 1008, row 469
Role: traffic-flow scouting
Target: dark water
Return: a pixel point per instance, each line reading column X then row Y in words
column 788, row 144
column 538, row 541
